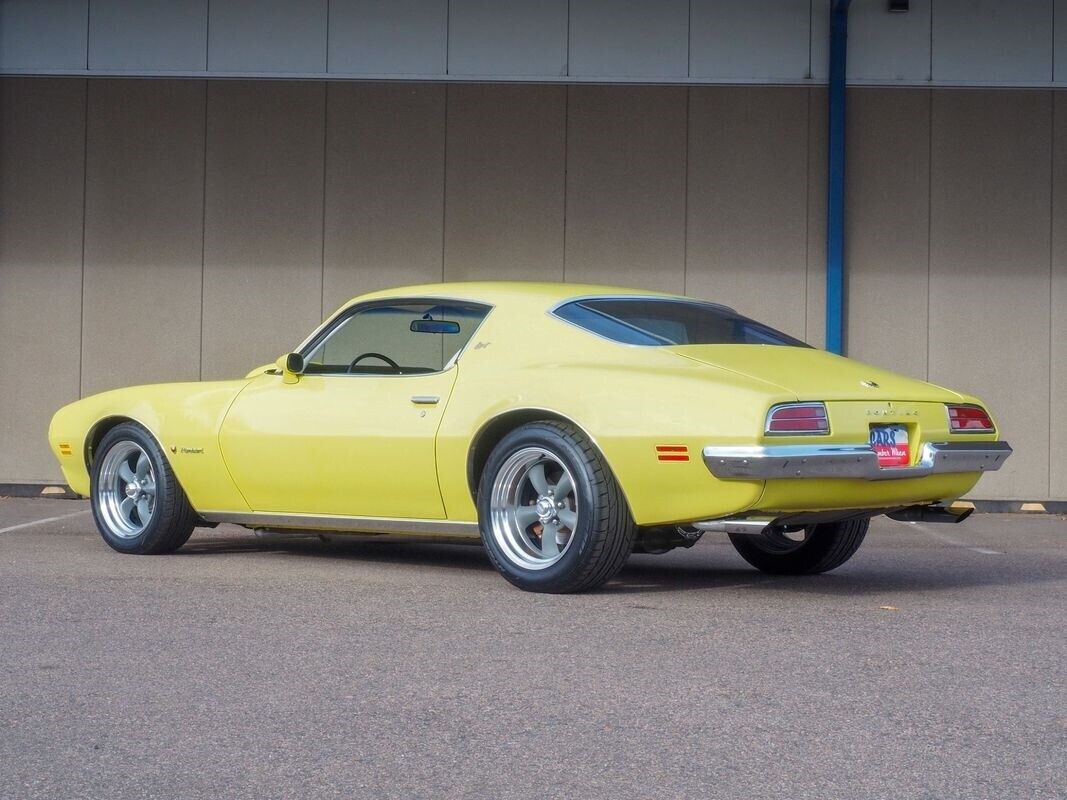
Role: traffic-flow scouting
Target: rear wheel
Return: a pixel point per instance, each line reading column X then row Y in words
column 814, row 549
column 137, row 502
column 552, row 516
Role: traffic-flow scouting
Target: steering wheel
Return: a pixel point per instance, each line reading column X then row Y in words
column 386, row 359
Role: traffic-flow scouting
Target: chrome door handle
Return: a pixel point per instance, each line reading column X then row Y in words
column 425, row 399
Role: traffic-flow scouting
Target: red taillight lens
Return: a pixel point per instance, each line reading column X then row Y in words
column 969, row 419
column 798, row 418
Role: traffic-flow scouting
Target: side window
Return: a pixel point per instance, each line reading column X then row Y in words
column 395, row 339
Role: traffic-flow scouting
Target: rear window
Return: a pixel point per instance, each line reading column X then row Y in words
column 651, row 322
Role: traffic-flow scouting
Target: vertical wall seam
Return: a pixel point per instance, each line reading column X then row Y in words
column 448, row 44
column 567, row 71
column 85, row 193
column 929, row 216
column 807, row 207
column 203, row 232
column 327, row 66
column 1051, row 265
column 88, row 21
column 207, row 43
column 566, row 165
column 685, row 189
column 689, row 54
column 322, row 237
column 444, row 184
column 811, row 27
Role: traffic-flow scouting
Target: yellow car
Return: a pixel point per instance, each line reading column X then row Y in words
column 564, row 426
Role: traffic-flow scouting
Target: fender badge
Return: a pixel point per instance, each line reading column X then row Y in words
column 869, row 384
column 173, row 449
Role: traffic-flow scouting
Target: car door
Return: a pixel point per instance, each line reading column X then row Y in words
column 354, row 435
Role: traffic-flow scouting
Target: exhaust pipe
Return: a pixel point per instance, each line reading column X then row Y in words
column 753, row 525
column 930, row 514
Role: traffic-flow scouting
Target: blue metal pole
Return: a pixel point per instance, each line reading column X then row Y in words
column 835, row 195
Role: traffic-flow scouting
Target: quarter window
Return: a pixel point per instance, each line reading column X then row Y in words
column 654, row 321
column 395, row 339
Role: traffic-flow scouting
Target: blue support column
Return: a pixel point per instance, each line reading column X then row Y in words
column 835, row 195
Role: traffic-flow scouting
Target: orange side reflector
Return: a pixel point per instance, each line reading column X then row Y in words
column 672, row 452
column 64, row 449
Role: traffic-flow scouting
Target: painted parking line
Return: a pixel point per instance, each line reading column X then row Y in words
column 43, row 521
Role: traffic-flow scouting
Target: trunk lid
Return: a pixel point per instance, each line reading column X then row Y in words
column 814, row 374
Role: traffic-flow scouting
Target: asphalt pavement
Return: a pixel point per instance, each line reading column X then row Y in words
column 932, row 665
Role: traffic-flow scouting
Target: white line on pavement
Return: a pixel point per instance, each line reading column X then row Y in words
column 42, row 521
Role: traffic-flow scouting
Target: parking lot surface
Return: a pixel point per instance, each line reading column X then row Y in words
column 931, row 665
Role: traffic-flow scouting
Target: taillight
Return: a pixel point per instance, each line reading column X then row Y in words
column 798, row 418
column 969, row 419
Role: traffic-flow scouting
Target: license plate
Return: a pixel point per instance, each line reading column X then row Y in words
column 890, row 444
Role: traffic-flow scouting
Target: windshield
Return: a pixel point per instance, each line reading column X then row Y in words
column 654, row 321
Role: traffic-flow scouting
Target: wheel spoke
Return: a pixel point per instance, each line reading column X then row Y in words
column 537, row 478
column 525, row 516
column 142, row 466
column 126, row 473
column 126, row 509
column 564, row 487
column 568, row 518
column 143, row 511
column 549, row 548
column 149, row 487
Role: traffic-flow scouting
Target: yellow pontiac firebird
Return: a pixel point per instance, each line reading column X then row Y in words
column 565, row 426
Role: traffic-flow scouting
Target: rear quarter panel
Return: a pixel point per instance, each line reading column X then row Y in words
column 626, row 399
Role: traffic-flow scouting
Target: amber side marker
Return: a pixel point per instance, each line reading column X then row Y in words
column 672, row 452
column 65, row 450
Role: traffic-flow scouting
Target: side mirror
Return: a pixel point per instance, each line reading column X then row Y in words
column 292, row 367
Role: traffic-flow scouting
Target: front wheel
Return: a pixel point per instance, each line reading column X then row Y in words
column 137, row 502
column 551, row 514
column 814, row 549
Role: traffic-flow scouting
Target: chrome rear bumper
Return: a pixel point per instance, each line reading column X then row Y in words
column 850, row 461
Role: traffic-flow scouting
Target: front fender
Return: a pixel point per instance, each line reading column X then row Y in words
column 183, row 417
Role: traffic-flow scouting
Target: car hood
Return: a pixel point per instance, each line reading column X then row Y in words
column 814, row 374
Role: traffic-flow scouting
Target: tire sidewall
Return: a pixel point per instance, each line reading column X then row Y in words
column 144, row 541
column 575, row 556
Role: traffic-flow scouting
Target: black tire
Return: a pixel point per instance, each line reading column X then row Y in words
column 826, row 547
column 604, row 533
column 172, row 519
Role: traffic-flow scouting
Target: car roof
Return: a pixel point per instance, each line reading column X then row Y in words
column 536, row 294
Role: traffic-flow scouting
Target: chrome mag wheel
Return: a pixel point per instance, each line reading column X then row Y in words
column 533, row 508
column 126, row 490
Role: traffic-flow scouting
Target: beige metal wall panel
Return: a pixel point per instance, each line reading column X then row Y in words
column 42, row 167
column 747, row 212
column 378, row 37
column 887, row 235
column 520, row 37
column 626, row 168
column 504, row 188
column 385, row 159
column 1058, row 305
column 990, row 218
column 263, row 221
column 815, row 323
column 629, row 38
column 144, row 195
